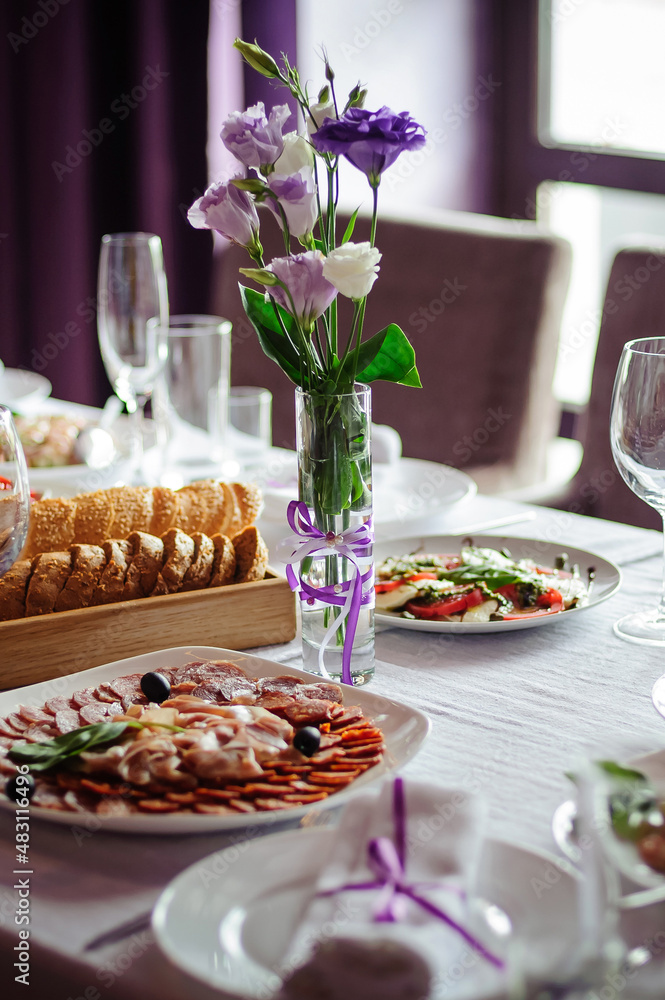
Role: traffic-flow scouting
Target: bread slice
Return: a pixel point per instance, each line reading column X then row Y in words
column 88, row 562
column 224, row 563
column 251, row 555
column 13, row 586
column 93, row 518
column 199, row 573
column 112, row 580
column 146, row 563
column 51, row 527
column 192, row 509
column 132, row 510
column 50, row 572
column 212, row 499
column 178, row 555
column 249, row 499
column 233, row 519
column 164, row 509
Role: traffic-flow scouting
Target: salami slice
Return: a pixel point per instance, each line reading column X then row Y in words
column 67, row 720
column 90, row 714
column 59, row 703
column 86, row 696
column 32, row 714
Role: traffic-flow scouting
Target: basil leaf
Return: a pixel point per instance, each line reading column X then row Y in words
column 41, row 756
column 623, row 773
column 389, row 356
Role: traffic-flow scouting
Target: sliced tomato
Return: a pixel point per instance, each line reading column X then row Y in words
column 385, row 586
column 511, row 593
column 450, row 605
column 550, row 599
column 6, row 484
column 422, row 576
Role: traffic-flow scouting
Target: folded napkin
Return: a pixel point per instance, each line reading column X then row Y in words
column 386, row 444
column 398, row 870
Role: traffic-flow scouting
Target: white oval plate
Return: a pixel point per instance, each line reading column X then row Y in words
column 606, row 583
column 403, row 491
column 18, row 386
column 404, row 730
column 229, row 922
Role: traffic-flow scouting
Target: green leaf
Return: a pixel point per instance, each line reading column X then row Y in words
column 618, row 771
column 274, row 343
column 348, row 232
column 41, row 756
column 388, row 355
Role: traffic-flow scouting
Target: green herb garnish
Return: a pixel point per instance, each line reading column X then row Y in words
column 42, row 756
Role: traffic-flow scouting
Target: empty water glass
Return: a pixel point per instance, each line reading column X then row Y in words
column 250, row 412
column 191, row 396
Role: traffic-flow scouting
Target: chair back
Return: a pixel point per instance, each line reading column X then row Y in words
column 634, row 307
column 481, row 300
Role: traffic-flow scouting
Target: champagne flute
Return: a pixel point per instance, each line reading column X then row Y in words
column 637, row 433
column 14, row 492
column 132, row 321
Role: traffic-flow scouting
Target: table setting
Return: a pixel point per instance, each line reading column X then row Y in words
column 328, row 722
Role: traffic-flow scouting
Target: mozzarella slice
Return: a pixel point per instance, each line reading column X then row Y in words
column 396, row 598
column 481, row 612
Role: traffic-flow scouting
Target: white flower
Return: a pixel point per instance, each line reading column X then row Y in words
column 320, row 112
column 297, row 153
column 352, row 269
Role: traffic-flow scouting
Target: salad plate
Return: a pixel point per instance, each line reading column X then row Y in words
column 19, row 387
column 404, row 730
column 606, row 581
column 636, row 874
column 403, row 491
column 228, row 922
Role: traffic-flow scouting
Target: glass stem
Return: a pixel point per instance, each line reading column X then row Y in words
column 137, row 417
column 661, row 603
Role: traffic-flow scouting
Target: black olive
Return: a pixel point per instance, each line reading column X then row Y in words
column 307, row 740
column 155, row 687
column 21, row 786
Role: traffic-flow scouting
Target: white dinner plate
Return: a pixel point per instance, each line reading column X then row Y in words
column 402, row 491
column 636, row 874
column 229, row 922
column 404, row 731
column 606, row 582
column 18, row 387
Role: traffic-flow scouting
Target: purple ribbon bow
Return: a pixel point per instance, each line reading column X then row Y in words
column 387, row 859
column 349, row 595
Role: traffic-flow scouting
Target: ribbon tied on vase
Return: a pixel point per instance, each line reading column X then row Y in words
column 350, row 595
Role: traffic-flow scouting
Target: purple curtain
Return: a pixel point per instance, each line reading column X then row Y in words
column 103, row 108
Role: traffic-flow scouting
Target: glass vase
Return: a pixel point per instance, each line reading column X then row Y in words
column 333, row 435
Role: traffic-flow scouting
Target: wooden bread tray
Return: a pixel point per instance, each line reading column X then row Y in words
column 237, row 617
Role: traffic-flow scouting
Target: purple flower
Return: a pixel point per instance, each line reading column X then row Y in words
column 303, row 276
column 230, row 211
column 297, row 196
column 254, row 139
column 371, row 140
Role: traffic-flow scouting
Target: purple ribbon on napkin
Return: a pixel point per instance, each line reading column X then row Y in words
column 349, row 595
column 387, row 859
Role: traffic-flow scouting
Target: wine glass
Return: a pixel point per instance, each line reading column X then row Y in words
column 637, row 433
column 14, row 492
column 132, row 321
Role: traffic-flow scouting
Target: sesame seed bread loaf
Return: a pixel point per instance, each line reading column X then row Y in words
column 209, row 506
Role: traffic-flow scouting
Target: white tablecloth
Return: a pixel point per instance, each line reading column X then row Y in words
column 509, row 714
